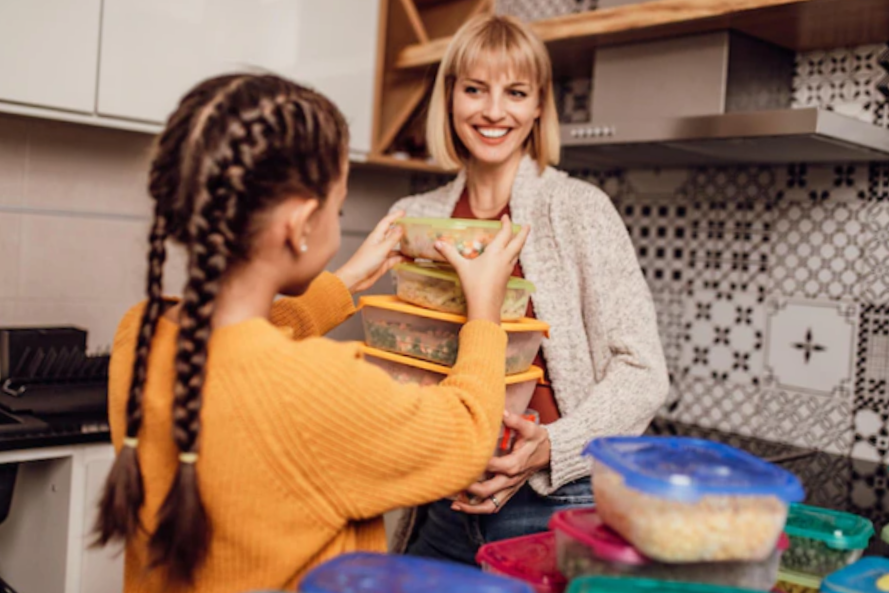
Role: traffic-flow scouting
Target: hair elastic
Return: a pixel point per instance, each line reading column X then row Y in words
column 188, row 457
column 130, row 442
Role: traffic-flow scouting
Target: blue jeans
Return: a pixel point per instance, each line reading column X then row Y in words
column 449, row 535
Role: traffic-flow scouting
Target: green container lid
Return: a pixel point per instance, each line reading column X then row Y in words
column 443, row 273
column 837, row 530
column 455, row 224
column 624, row 585
column 798, row 578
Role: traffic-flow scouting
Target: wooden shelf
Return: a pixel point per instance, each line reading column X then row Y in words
column 801, row 25
column 391, row 162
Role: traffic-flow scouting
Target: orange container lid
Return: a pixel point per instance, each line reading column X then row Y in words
column 393, row 303
column 532, row 374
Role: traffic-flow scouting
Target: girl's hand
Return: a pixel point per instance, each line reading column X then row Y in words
column 484, row 278
column 375, row 257
column 530, row 455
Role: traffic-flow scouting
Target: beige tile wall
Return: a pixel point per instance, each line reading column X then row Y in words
column 74, row 218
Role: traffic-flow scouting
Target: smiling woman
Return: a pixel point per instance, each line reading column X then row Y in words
column 492, row 115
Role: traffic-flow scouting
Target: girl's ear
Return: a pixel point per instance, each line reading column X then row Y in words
column 299, row 224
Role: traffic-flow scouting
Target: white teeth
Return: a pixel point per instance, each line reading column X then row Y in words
column 493, row 132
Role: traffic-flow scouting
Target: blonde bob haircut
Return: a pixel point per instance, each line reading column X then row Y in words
column 504, row 44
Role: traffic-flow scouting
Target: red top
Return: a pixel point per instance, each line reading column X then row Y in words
column 543, row 401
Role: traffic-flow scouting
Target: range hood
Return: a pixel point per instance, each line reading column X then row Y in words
column 712, row 99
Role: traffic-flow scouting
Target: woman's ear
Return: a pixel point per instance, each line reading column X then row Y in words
column 299, row 225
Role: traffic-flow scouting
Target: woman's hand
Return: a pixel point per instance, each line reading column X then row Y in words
column 530, row 454
column 375, row 257
column 484, row 278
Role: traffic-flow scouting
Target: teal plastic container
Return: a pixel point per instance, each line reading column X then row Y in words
column 823, row 541
column 622, row 585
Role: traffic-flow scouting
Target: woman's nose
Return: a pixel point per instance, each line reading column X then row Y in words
column 494, row 110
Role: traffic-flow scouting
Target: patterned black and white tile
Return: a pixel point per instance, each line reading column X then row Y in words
column 872, row 384
column 845, row 80
column 535, row 10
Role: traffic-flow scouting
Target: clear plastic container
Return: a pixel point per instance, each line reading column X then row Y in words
column 823, row 540
column 585, row 546
column 398, row 327
column 469, row 237
column 437, row 288
column 380, row 573
column 519, row 387
column 689, row 500
column 884, row 534
column 531, row 559
column 626, row 585
column 868, row 575
column 792, row 582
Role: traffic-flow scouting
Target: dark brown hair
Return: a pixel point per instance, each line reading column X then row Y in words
column 236, row 146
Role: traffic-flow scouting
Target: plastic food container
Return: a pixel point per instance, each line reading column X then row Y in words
column 823, row 540
column 690, row 500
column 625, row 585
column 519, row 387
column 469, row 237
column 381, row 573
column 884, row 535
column 868, row 575
column 794, row 582
column 433, row 287
column 531, row 559
column 398, row 327
column 586, row 546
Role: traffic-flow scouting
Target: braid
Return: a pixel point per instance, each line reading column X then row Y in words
column 235, row 147
column 124, row 494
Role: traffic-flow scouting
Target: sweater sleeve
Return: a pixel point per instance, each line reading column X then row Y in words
column 377, row 445
column 325, row 305
column 616, row 298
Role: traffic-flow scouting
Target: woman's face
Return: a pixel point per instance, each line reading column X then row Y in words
column 493, row 113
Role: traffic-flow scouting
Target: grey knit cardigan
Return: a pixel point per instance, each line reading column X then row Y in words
column 604, row 356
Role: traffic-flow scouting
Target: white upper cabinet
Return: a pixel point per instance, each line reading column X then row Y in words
column 48, row 53
column 153, row 51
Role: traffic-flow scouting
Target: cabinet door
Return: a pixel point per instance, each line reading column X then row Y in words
column 49, row 51
column 337, row 44
column 153, row 51
column 101, row 568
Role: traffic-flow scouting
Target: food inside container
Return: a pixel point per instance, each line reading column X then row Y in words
column 868, row 575
column 364, row 572
column 438, row 288
column 519, row 387
column 586, row 546
column 794, row 582
column 468, row 237
column 633, row 585
column 823, row 540
column 689, row 500
column 531, row 559
column 398, row 327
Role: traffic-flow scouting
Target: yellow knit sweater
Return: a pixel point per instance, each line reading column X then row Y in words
column 304, row 445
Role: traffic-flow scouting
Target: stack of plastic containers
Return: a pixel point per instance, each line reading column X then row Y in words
column 531, row 559
column 822, row 541
column 378, row 573
column 414, row 335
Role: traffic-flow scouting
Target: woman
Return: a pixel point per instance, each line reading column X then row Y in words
column 492, row 116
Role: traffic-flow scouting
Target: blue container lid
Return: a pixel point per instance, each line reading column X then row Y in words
column 685, row 469
column 379, row 573
column 868, row 575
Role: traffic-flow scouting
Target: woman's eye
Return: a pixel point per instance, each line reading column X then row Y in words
column 519, row 94
column 471, row 90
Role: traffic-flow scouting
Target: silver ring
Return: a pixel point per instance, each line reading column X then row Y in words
column 495, row 501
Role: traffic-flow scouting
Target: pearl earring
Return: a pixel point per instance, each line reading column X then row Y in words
column 303, row 248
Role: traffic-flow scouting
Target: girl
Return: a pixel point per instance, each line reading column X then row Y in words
column 492, row 115
column 250, row 448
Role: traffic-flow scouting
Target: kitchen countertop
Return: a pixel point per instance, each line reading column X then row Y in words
column 831, row 481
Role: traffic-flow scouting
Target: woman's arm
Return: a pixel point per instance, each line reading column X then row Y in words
column 615, row 298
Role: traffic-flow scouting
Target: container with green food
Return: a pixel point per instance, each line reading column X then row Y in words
column 796, row 582
column 468, row 237
column 438, row 288
column 823, row 541
column 395, row 326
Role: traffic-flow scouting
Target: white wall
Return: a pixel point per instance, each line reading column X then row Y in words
column 74, row 216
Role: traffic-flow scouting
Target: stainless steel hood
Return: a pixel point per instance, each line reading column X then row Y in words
column 718, row 98
column 767, row 137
